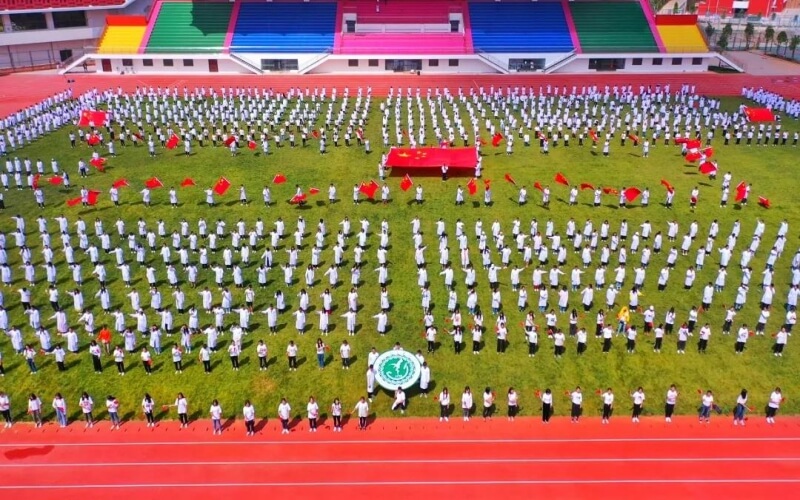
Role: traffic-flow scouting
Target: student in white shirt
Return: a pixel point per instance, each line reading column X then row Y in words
column 284, row 414
column 444, row 405
column 336, row 412
column 362, row 410
column 775, row 400
column 513, row 404
column 576, row 397
column 183, row 409
column 249, row 413
column 312, row 409
column 147, row 408
column 112, row 406
column 488, row 403
column 35, row 409
column 399, row 401
column 5, row 409
column 669, row 403
column 87, row 405
column 707, row 402
column 638, row 401
column 466, row 403
column 608, row 404
column 741, row 408
column 547, row 405
column 216, row 416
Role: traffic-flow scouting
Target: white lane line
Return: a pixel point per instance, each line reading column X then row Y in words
column 22, row 464
column 406, row 441
column 351, row 484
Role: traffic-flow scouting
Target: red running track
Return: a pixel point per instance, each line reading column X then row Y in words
column 398, row 458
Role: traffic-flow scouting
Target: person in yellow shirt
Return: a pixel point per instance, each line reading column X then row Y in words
column 623, row 318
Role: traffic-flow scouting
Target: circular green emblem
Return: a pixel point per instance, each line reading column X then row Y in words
column 395, row 369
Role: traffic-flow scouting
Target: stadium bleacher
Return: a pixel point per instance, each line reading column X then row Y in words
column 520, row 27
column 188, row 27
column 612, row 27
column 285, row 27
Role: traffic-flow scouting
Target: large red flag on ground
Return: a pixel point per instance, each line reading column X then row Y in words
column 222, row 186
column 188, row 182
column 764, row 202
column 708, row 167
column 279, row 179
column 121, row 183
column 93, row 140
column 472, row 186
column 313, row 190
column 560, row 179
column 92, row 117
column 36, row 181
column 98, row 163
column 585, row 186
column 538, row 185
column 632, row 193
column 230, row 140
column 56, row 180
column 406, row 183
column 667, row 185
column 496, row 139
column 173, row 141
column 510, row 179
column 153, row 183
column 369, row 189
column 741, row 191
column 298, row 198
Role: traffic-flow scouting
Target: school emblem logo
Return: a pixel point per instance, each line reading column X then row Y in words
column 395, row 369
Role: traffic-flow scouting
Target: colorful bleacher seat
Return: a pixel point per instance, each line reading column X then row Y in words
column 519, row 27
column 189, row 27
column 285, row 27
column 612, row 27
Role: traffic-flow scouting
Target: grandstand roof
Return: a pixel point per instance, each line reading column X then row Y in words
column 39, row 5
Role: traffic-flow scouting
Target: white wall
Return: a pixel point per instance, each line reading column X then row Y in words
column 38, row 53
column 200, row 65
column 338, row 64
column 255, row 59
column 581, row 65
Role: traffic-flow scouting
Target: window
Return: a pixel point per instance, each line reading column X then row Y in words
column 168, row 63
column 636, row 61
column 69, row 19
column 658, row 61
column 373, row 63
column 147, row 63
column 677, row 61
column 188, row 63
column 127, row 63
column 279, row 64
column 25, row 22
column 452, row 63
column 697, row 61
column 606, row 64
column 433, row 63
column 352, row 63
column 523, row 65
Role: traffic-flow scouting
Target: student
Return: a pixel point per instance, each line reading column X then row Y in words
column 284, row 414
column 706, row 403
column 513, row 404
column 547, row 405
column 148, row 405
column 249, row 414
column 362, row 410
column 608, row 404
column 775, row 400
column 312, row 409
column 291, row 355
column 216, row 416
column 183, row 410
column 35, row 409
column 488, row 403
column 399, row 401
column 5, row 409
column 87, row 405
column 669, row 404
column 638, row 401
column 112, row 406
column 320, row 349
column 444, row 405
column 466, row 403
column 261, row 352
column 740, row 409
column 576, row 397
column 336, row 413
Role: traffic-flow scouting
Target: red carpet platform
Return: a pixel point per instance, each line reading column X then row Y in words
column 432, row 158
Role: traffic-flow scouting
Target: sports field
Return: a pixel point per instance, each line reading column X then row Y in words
column 769, row 169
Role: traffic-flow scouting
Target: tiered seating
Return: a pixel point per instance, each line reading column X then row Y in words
column 186, row 27
column 612, row 27
column 285, row 27
column 13, row 5
column 407, row 27
column 680, row 33
column 123, row 35
column 520, row 27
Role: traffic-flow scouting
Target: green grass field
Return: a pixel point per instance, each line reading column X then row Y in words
column 770, row 169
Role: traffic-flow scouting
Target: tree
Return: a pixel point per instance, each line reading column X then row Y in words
column 793, row 43
column 749, row 31
column 722, row 43
column 782, row 39
column 710, row 31
column 727, row 30
column 769, row 36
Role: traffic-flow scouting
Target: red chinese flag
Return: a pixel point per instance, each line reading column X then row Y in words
column 472, row 186
column 56, row 180
column 498, row 137
column 173, row 141
column 538, row 185
column 138, row 136
column 93, row 140
column 121, row 183
column 693, row 143
column 369, row 189
column 93, row 197
column 610, row 190
column 36, row 181
column 91, row 117
column 315, row 134
column 585, row 186
column 709, row 152
column 251, row 144
column 74, row 201
column 764, row 202
column 279, row 179
column 667, row 185
column 482, row 141
column 741, row 191
column 230, row 140
column 406, row 183
column 633, row 137
column 98, row 163
column 632, row 193
column 593, row 135
column 313, row 190
column 510, row 179
column 222, row 186
column 298, row 198
column 188, row 182
column 560, row 179
column 693, row 157
column 681, row 140
column 708, row 168
column 153, row 183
